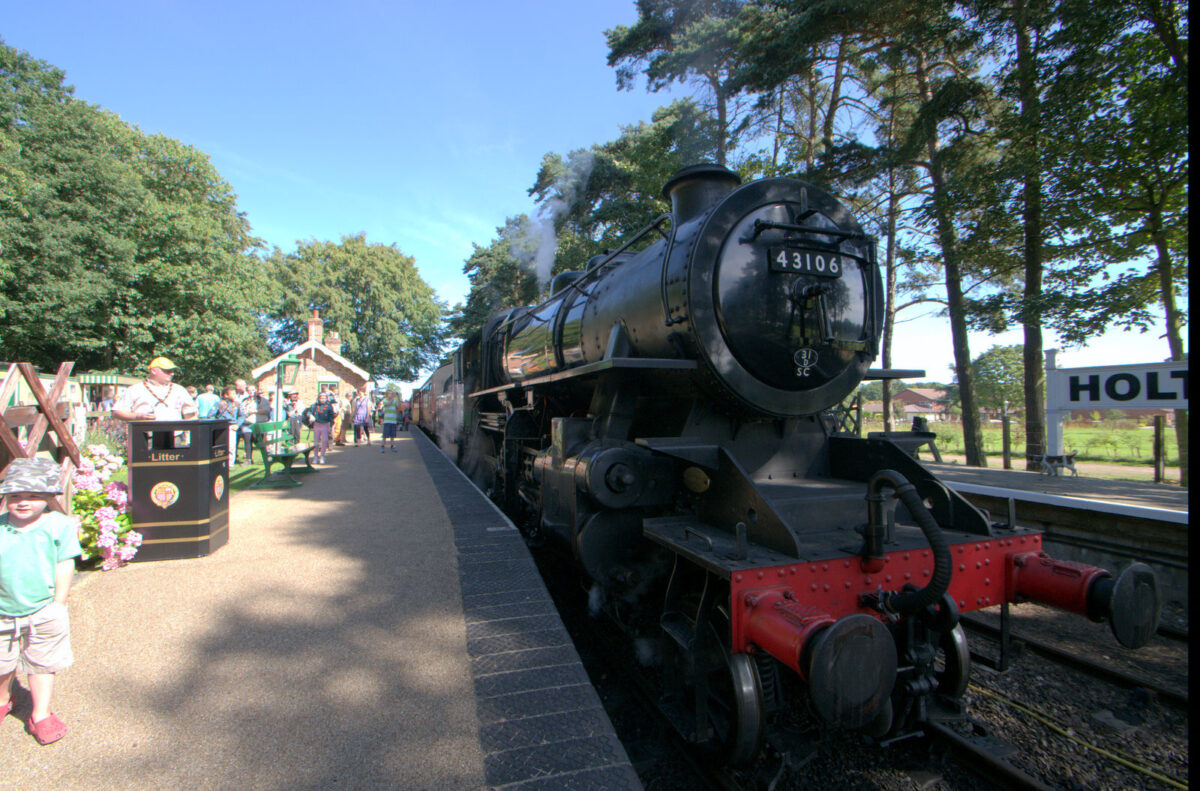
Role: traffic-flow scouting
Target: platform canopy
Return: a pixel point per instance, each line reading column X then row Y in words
column 97, row 379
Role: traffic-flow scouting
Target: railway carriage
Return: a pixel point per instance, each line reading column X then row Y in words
column 664, row 417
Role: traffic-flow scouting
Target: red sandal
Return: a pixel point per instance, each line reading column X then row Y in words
column 47, row 730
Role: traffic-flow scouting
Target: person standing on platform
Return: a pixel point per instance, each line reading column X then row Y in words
column 157, row 397
column 323, row 415
column 265, row 408
column 291, row 413
column 249, row 408
column 207, row 402
column 362, row 418
column 390, row 414
column 229, row 409
column 38, row 548
column 342, row 405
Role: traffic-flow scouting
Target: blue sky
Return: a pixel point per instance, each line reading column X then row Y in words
column 420, row 124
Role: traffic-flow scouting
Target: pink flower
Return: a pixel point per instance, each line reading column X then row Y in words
column 111, row 563
column 133, row 538
column 86, row 467
column 87, row 482
column 106, row 540
column 117, row 494
column 106, row 514
column 126, row 552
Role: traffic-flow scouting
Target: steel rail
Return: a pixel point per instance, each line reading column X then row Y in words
column 997, row 770
column 1089, row 666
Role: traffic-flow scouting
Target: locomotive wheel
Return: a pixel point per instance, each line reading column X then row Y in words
column 954, row 665
column 734, row 705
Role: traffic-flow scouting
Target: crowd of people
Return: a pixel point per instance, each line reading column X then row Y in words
column 330, row 418
column 38, row 545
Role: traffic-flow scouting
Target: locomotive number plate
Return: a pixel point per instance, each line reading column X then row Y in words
column 805, row 262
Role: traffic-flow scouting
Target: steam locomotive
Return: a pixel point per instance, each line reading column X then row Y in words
column 664, row 416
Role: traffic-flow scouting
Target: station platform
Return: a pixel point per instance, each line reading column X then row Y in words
column 381, row 626
column 1144, row 495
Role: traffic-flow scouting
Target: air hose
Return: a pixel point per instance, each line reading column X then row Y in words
column 912, row 601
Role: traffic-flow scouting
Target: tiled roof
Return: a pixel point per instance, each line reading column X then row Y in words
column 306, row 346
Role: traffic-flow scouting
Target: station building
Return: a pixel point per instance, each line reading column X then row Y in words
column 322, row 367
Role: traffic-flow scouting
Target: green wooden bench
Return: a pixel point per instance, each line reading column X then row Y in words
column 274, row 443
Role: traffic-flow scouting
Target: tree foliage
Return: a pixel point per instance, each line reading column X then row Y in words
column 686, row 41
column 389, row 319
column 116, row 246
column 999, row 376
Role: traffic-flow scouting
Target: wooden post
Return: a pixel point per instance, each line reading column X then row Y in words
column 1006, row 438
column 1160, row 448
column 37, row 419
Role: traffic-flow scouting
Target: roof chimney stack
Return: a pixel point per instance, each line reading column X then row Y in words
column 334, row 343
column 314, row 327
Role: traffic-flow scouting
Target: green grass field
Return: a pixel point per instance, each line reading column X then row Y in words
column 1118, row 442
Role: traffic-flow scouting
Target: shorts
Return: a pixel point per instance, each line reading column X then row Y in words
column 41, row 641
column 389, row 430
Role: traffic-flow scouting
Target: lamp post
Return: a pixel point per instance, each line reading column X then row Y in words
column 285, row 374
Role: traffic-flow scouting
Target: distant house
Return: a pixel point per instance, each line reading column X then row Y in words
column 925, row 402
column 322, row 367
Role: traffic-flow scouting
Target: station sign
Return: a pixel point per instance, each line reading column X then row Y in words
column 1134, row 386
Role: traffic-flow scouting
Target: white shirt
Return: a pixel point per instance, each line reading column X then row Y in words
column 167, row 402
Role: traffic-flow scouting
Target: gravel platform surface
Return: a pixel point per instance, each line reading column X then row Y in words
column 322, row 648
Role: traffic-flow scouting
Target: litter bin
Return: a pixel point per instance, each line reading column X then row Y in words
column 179, row 487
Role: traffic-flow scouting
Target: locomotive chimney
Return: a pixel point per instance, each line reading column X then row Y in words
column 696, row 188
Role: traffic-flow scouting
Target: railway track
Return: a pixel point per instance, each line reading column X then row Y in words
column 1063, row 656
column 1071, row 693
column 1048, row 736
column 984, row 760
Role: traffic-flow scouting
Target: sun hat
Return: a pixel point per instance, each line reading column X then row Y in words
column 31, row 475
column 163, row 363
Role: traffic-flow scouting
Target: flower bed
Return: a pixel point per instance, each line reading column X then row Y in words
column 101, row 509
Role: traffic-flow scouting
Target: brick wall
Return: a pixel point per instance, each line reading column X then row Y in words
column 315, row 369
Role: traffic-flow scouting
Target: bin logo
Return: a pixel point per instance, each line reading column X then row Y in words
column 219, row 487
column 164, row 494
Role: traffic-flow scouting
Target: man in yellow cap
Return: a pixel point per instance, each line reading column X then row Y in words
column 157, row 397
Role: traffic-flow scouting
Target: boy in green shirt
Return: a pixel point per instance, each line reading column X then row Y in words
column 38, row 548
